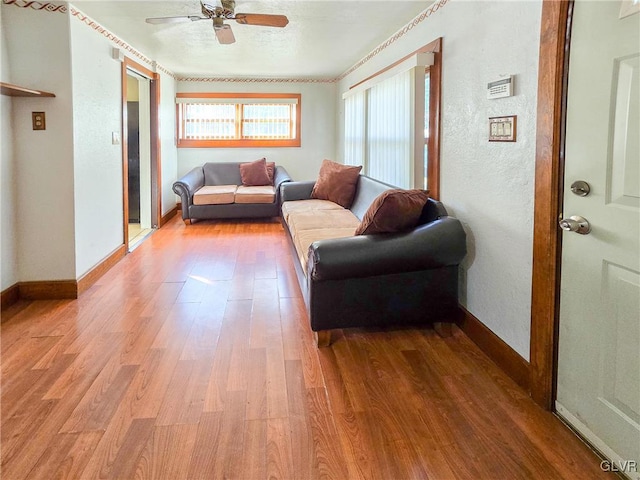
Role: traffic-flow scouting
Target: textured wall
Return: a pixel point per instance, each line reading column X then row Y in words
column 8, row 202
column 488, row 186
column 97, row 163
column 318, row 129
column 37, row 44
column 168, row 149
column 67, row 204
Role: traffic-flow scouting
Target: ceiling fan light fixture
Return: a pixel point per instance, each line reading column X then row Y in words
column 224, row 34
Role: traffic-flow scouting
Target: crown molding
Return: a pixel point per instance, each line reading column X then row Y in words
column 77, row 14
column 435, row 6
column 46, row 6
column 255, row 80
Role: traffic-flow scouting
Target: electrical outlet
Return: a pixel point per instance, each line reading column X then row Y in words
column 38, row 120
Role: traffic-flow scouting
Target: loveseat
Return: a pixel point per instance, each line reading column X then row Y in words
column 216, row 190
column 347, row 280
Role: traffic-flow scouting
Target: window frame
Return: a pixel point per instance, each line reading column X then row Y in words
column 263, row 98
column 433, row 143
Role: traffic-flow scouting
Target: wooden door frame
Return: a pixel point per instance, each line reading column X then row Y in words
column 555, row 34
column 156, row 171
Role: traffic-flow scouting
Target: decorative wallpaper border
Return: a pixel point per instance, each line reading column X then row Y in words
column 109, row 36
column 49, row 7
column 160, row 68
column 52, row 7
column 256, row 80
column 399, row 34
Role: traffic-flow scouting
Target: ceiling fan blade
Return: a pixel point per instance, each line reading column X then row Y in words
column 224, row 34
column 262, row 19
column 189, row 18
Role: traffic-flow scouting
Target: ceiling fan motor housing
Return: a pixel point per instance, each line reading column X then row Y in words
column 218, row 22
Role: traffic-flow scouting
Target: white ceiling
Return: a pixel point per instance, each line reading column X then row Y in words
column 322, row 40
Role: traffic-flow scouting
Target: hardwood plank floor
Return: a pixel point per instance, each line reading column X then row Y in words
column 192, row 358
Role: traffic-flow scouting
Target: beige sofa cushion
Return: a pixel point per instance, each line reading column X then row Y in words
column 215, row 195
column 257, row 194
column 306, row 206
column 305, row 238
column 321, row 219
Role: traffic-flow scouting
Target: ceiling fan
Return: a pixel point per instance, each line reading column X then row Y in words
column 220, row 10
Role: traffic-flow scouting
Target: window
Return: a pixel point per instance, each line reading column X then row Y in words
column 385, row 124
column 390, row 130
column 392, row 122
column 238, row 120
column 354, row 129
column 427, row 102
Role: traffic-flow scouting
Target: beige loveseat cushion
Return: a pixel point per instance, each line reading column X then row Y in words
column 215, row 195
column 305, row 238
column 255, row 194
column 321, row 219
column 306, row 206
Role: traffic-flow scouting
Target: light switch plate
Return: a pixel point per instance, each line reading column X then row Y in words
column 38, row 121
column 502, row 129
column 115, row 138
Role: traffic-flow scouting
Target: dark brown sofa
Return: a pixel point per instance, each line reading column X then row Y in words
column 227, row 173
column 374, row 280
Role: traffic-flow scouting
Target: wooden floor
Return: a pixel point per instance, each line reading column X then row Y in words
column 192, row 358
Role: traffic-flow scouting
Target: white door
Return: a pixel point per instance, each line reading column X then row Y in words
column 598, row 383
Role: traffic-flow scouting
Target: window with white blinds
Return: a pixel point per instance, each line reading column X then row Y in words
column 389, row 131
column 238, row 120
column 385, row 124
column 354, row 129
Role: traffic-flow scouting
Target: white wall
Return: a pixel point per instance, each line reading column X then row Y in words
column 97, row 100
column 168, row 150
column 62, row 210
column 8, row 241
column 37, row 46
column 318, row 129
column 488, row 186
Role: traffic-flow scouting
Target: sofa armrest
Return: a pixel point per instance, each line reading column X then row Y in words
column 297, row 190
column 280, row 176
column 187, row 186
column 437, row 244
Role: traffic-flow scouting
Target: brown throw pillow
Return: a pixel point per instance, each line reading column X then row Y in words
column 255, row 173
column 337, row 183
column 393, row 211
column 271, row 170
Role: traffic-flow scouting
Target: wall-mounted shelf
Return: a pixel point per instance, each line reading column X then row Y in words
column 16, row 91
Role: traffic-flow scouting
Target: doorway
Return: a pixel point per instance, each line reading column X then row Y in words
column 585, row 324
column 139, row 158
column 141, row 191
column 598, row 368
